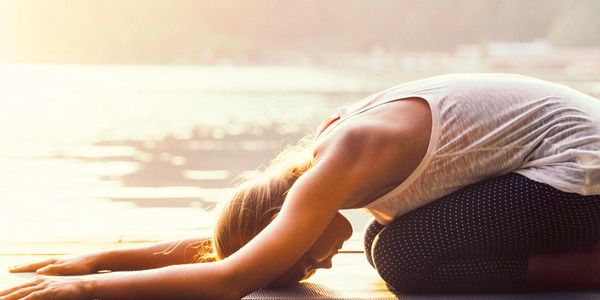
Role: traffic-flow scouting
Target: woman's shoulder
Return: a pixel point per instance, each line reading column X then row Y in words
column 392, row 123
column 380, row 148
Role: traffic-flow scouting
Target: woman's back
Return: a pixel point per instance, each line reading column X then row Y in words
column 486, row 125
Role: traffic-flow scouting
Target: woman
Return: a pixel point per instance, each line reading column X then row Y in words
column 477, row 182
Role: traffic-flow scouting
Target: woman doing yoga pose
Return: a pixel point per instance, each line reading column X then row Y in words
column 477, row 183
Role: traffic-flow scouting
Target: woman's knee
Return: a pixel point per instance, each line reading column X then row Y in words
column 403, row 259
column 371, row 232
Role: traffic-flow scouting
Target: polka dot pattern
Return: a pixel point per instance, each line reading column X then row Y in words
column 478, row 239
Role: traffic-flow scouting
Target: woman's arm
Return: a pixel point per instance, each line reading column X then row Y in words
column 126, row 259
column 189, row 281
column 152, row 256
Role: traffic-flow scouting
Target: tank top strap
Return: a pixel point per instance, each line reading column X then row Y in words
column 326, row 123
column 345, row 112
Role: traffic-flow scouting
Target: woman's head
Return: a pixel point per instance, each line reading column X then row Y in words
column 253, row 206
column 257, row 201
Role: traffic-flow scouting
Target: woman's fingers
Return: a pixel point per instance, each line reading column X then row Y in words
column 31, row 267
column 18, row 287
column 49, row 270
column 22, row 293
column 58, row 269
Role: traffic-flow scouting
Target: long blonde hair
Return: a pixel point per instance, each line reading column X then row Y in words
column 256, row 201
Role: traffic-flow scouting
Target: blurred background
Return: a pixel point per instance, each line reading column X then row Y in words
column 125, row 121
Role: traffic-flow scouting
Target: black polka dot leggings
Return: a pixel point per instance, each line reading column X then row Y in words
column 478, row 239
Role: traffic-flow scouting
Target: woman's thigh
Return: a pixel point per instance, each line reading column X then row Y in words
column 500, row 220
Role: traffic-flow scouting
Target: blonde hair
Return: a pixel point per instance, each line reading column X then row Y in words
column 256, row 201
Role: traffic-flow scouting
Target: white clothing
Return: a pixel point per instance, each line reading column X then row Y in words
column 487, row 125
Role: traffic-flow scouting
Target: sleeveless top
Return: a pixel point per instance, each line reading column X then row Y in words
column 487, row 125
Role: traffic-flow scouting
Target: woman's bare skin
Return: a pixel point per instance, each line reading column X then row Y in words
column 127, row 259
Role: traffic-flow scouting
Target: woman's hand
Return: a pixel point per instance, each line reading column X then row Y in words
column 59, row 288
column 76, row 265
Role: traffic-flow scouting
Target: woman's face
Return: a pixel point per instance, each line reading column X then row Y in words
column 320, row 254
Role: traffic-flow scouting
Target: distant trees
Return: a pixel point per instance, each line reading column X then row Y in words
column 196, row 31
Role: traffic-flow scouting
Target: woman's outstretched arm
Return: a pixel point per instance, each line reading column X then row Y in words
column 152, row 256
column 188, row 281
column 125, row 259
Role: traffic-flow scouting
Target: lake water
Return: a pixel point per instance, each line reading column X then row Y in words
column 126, row 152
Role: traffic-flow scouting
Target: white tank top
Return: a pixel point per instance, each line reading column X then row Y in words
column 487, row 125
